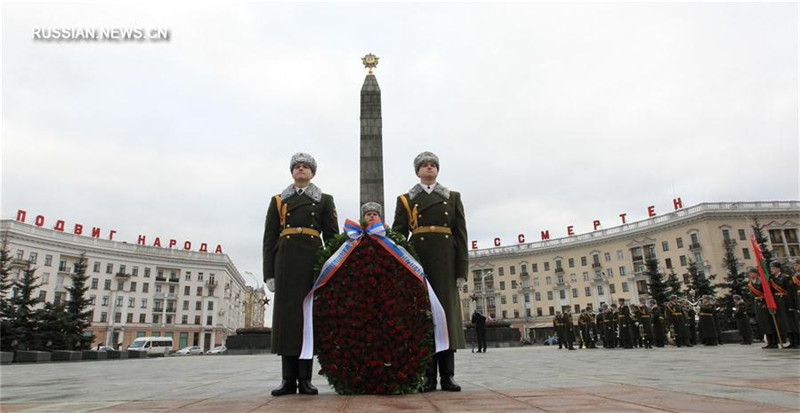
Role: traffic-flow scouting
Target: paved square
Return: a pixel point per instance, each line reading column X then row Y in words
column 730, row 378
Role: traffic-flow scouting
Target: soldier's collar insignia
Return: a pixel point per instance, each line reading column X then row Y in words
column 438, row 188
column 312, row 191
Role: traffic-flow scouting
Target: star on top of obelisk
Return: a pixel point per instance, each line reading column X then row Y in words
column 370, row 61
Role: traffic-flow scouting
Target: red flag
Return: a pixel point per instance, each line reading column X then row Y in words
column 763, row 271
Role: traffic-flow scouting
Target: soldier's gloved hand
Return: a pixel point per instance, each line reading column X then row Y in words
column 461, row 282
column 271, row 285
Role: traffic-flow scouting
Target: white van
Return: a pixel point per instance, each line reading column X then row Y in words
column 154, row 346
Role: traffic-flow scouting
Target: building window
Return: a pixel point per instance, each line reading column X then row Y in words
column 502, row 285
column 159, row 288
column 118, row 317
column 571, row 262
column 562, row 294
column 516, row 313
column 156, row 319
column 95, row 281
column 574, row 293
column 679, row 242
column 551, row 310
column 538, row 311
column 20, row 254
column 694, row 238
column 548, row 280
column 160, row 274
column 188, row 276
column 726, row 234
column 129, row 318
column 587, row 291
column 547, row 266
column 523, row 268
column 683, row 261
column 558, row 266
column 131, row 301
column 742, row 235
column 599, row 290
column 622, row 271
column 620, row 255
column 746, row 253
column 784, row 242
column 120, row 285
column 197, row 320
column 610, row 272
column 200, row 276
column 512, row 270
column 105, row 300
column 107, row 284
column 145, row 287
column 42, row 296
column 537, row 296
column 668, row 262
column 133, row 286
column 184, row 319
column 612, row 288
column 122, row 268
column 585, row 276
column 146, row 272
column 96, row 267
column 583, row 261
column 144, row 303
column 607, row 256
column 536, row 281
column 103, row 317
column 527, row 298
column 199, row 291
column 535, row 267
column 624, row 287
column 500, row 271
column 514, row 299
column 527, row 312
column 119, row 301
column 33, row 257
column 209, row 320
column 210, row 306
column 550, row 295
column 48, row 260
column 198, row 305
column 135, row 271
column 46, row 278
column 109, row 268
column 502, row 299
column 185, row 305
column 505, row 314
column 142, row 318
column 513, row 284
column 664, row 246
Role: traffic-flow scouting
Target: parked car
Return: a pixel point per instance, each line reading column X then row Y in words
column 102, row 348
column 217, row 350
column 191, row 350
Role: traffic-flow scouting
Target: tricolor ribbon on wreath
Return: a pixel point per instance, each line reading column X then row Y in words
column 355, row 233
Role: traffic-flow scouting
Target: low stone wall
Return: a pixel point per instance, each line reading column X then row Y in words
column 94, row 355
column 248, row 343
column 65, row 355
column 6, row 357
column 115, row 354
column 24, row 356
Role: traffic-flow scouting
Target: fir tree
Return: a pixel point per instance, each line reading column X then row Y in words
column 673, row 285
column 52, row 327
column 77, row 309
column 762, row 240
column 23, row 317
column 656, row 285
column 699, row 283
column 735, row 281
column 6, row 335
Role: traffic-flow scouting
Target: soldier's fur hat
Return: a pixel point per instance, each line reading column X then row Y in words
column 425, row 157
column 302, row 157
column 371, row 207
column 753, row 270
column 776, row 264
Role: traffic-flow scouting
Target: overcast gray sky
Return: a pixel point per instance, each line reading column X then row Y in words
column 543, row 115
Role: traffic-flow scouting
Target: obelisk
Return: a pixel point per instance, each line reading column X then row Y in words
column 371, row 137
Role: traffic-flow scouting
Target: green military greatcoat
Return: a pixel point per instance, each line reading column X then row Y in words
column 423, row 216
column 290, row 258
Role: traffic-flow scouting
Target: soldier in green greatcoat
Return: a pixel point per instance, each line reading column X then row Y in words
column 659, row 331
column 433, row 217
column 780, row 282
column 298, row 219
column 708, row 332
column 742, row 319
column 676, row 320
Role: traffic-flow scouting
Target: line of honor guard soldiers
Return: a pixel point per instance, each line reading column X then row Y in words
column 632, row 325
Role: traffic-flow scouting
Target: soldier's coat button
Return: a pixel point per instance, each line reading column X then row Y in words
column 288, row 236
column 299, row 229
column 422, row 238
column 445, row 202
column 288, row 213
column 312, row 213
column 445, row 212
column 447, row 236
column 287, row 225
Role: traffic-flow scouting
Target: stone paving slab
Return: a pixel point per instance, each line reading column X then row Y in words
column 531, row 379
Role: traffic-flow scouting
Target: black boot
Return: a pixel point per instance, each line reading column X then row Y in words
column 304, row 385
column 447, row 367
column 429, row 383
column 289, row 370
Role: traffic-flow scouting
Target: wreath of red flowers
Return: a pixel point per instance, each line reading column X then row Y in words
column 373, row 330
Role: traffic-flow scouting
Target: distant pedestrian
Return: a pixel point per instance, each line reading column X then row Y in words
column 479, row 320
